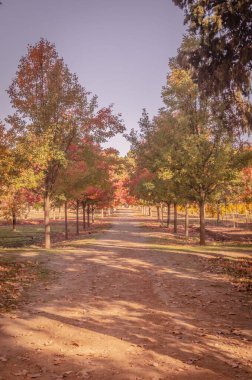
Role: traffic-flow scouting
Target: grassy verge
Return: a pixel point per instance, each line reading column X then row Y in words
column 33, row 234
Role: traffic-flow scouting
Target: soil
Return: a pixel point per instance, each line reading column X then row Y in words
column 123, row 308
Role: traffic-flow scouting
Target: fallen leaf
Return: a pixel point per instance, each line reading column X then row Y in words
column 65, row 374
column 34, row 375
column 192, row 360
column 154, row 364
column 83, row 373
column 48, row 343
column 21, row 373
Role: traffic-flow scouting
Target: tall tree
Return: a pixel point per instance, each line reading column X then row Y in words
column 52, row 107
column 224, row 28
column 187, row 154
column 222, row 56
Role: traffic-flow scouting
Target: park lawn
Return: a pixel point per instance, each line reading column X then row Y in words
column 30, row 234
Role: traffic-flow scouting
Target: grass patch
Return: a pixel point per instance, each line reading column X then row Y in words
column 25, row 235
column 215, row 248
column 33, row 234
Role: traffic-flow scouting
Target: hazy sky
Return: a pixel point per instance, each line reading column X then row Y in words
column 119, row 49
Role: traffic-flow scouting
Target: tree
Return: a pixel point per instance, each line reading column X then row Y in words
column 87, row 179
column 188, row 154
column 204, row 167
column 201, row 157
column 222, row 55
column 19, row 177
column 50, row 106
column 151, row 182
column 54, row 110
column 224, row 28
column 122, row 194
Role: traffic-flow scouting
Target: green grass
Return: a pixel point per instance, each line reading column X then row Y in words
column 220, row 248
column 27, row 235
column 33, row 234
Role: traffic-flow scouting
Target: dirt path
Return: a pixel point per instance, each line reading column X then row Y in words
column 121, row 309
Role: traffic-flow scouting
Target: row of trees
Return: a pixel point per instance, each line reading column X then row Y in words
column 194, row 149
column 51, row 148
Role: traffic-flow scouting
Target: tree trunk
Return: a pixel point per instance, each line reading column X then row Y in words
column 93, row 214
column 27, row 211
column 84, row 215
column 60, row 213
column 47, row 220
column 234, row 223
column 202, row 223
column 102, row 212
column 54, row 214
column 66, row 222
column 88, row 215
column 186, row 221
column 175, row 224
column 158, row 213
column 77, row 218
column 162, row 213
column 149, row 211
column 218, row 213
column 14, row 220
column 168, row 214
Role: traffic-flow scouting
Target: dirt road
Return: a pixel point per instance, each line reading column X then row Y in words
column 123, row 308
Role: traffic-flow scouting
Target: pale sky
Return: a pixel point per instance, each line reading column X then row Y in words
column 119, row 49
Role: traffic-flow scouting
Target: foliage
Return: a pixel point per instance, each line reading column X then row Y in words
column 185, row 154
column 19, row 177
column 51, row 106
column 53, row 112
column 88, row 176
column 223, row 56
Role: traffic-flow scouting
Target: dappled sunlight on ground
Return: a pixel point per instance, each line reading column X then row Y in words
column 124, row 307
